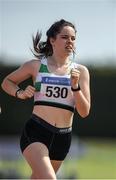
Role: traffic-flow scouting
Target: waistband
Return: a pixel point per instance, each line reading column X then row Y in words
column 49, row 126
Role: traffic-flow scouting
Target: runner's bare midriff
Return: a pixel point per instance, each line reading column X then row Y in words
column 56, row 116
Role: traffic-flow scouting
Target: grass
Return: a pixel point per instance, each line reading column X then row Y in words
column 98, row 161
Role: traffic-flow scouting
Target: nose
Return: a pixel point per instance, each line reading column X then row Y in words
column 69, row 40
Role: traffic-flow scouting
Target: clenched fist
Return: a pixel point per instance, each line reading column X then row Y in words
column 75, row 74
column 27, row 93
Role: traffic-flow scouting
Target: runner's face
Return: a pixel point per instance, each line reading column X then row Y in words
column 65, row 41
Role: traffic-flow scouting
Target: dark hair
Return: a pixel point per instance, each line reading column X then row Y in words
column 45, row 48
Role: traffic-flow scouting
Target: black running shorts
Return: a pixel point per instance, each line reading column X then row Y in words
column 57, row 140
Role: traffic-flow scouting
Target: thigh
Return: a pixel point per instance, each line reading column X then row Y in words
column 37, row 156
column 56, row 165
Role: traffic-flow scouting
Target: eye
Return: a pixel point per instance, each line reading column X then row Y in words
column 68, row 37
column 73, row 38
column 64, row 37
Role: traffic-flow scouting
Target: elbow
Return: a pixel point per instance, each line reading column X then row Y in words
column 3, row 85
column 85, row 113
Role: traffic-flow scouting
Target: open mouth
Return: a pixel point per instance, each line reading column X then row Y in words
column 69, row 48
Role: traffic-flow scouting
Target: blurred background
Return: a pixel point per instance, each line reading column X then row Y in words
column 93, row 150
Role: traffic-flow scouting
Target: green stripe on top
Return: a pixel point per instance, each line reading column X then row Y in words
column 43, row 68
column 37, row 86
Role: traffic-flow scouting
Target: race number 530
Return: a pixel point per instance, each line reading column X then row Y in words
column 56, row 92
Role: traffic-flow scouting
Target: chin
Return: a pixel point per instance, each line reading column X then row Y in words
column 69, row 53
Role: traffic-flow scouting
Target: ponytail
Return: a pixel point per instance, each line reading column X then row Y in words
column 41, row 48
